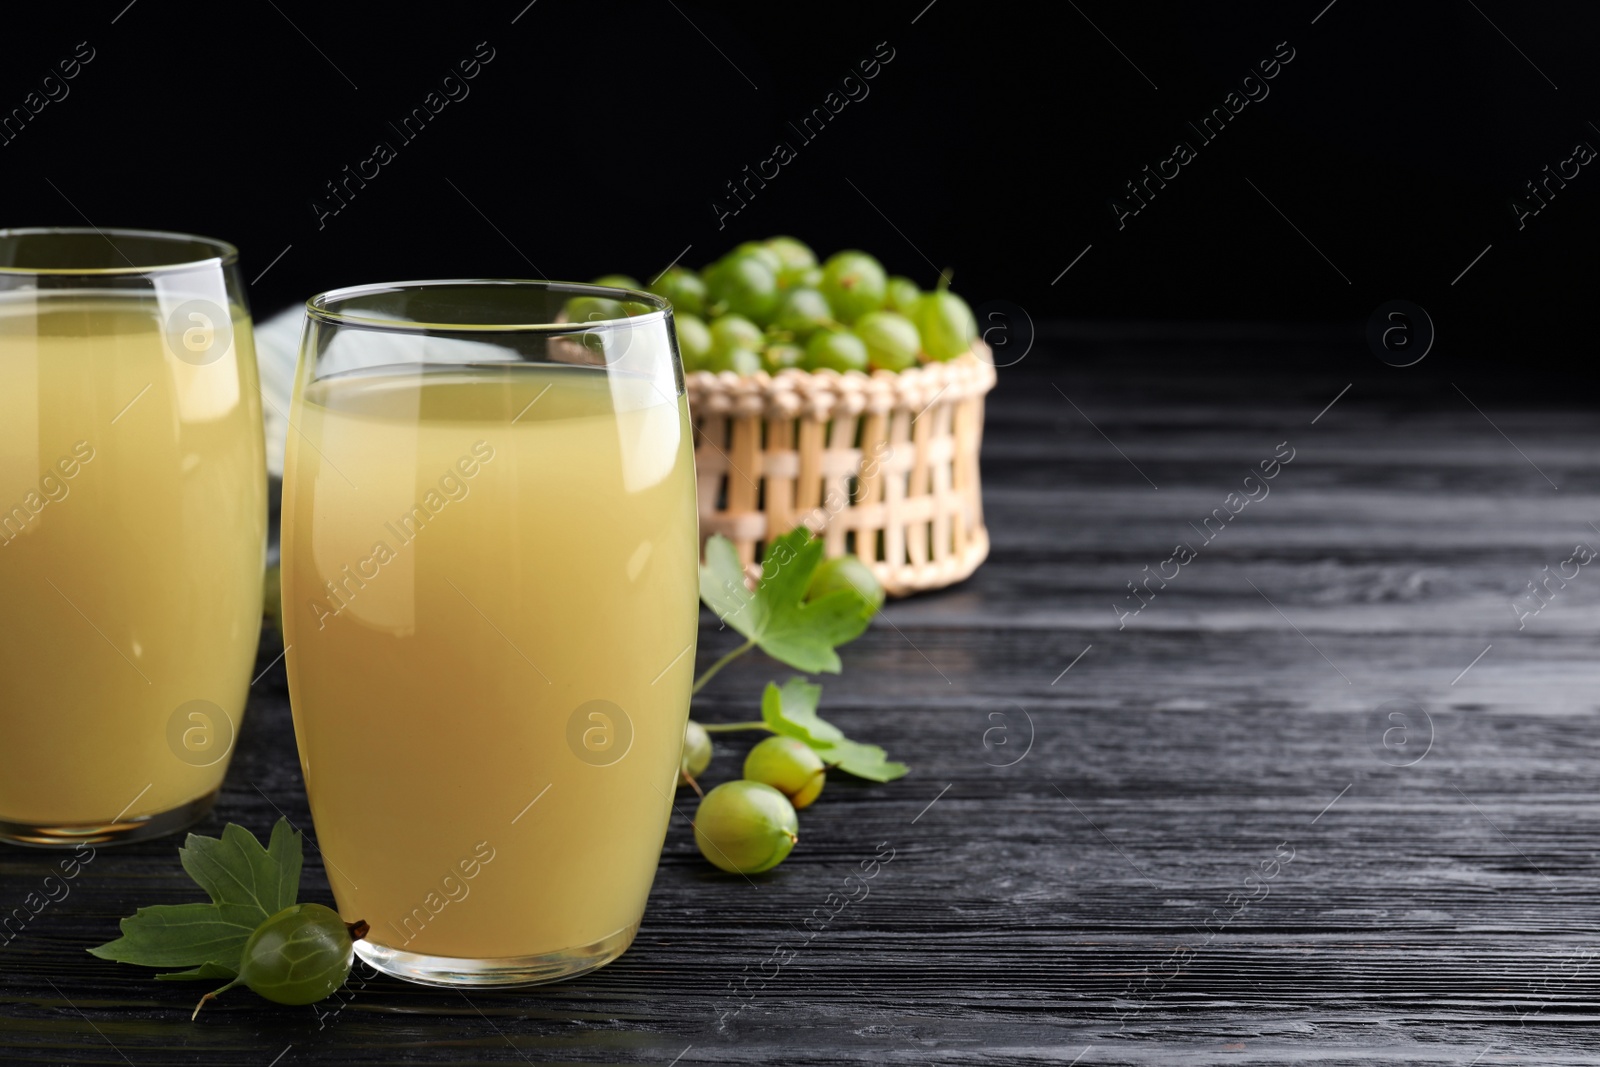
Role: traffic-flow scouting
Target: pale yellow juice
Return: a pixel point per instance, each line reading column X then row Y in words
column 491, row 595
column 132, row 528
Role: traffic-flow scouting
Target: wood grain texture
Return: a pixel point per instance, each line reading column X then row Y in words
column 1104, row 898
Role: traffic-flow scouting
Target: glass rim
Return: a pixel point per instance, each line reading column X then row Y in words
column 226, row 255
column 318, row 307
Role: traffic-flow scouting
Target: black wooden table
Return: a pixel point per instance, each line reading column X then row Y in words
column 1321, row 799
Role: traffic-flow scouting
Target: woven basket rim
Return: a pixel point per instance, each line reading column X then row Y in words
column 792, row 390
column 914, row 380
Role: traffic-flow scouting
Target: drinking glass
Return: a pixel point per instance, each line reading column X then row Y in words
column 490, row 554
column 133, row 520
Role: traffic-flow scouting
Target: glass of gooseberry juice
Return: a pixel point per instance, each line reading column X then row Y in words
column 490, row 586
column 133, row 521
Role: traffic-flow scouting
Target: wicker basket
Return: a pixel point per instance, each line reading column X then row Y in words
column 885, row 466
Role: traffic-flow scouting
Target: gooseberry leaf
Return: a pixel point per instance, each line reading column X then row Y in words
column 864, row 761
column 776, row 616
column 792, row 712
column 246, row 883
column 181, row 935
column 237, row 870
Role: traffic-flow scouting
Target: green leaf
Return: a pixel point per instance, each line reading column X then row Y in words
column 237, row 870
column 722, row 583
column 863, row 761
column 181, row 935
column 777, row 617
column 792, row 712
column 247, row 885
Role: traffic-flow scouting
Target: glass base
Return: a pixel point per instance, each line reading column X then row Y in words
column 502, row 971
column 120, row 832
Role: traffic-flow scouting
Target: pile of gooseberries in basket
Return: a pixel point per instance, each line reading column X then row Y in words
column 770, row 305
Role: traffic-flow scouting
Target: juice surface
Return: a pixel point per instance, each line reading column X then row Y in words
column 132, row 527
column 490, row 587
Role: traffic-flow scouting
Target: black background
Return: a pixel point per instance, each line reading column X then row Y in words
column 600, row 136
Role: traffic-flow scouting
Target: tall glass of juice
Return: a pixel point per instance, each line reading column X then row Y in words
column 133, row 515
column 490, row 594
